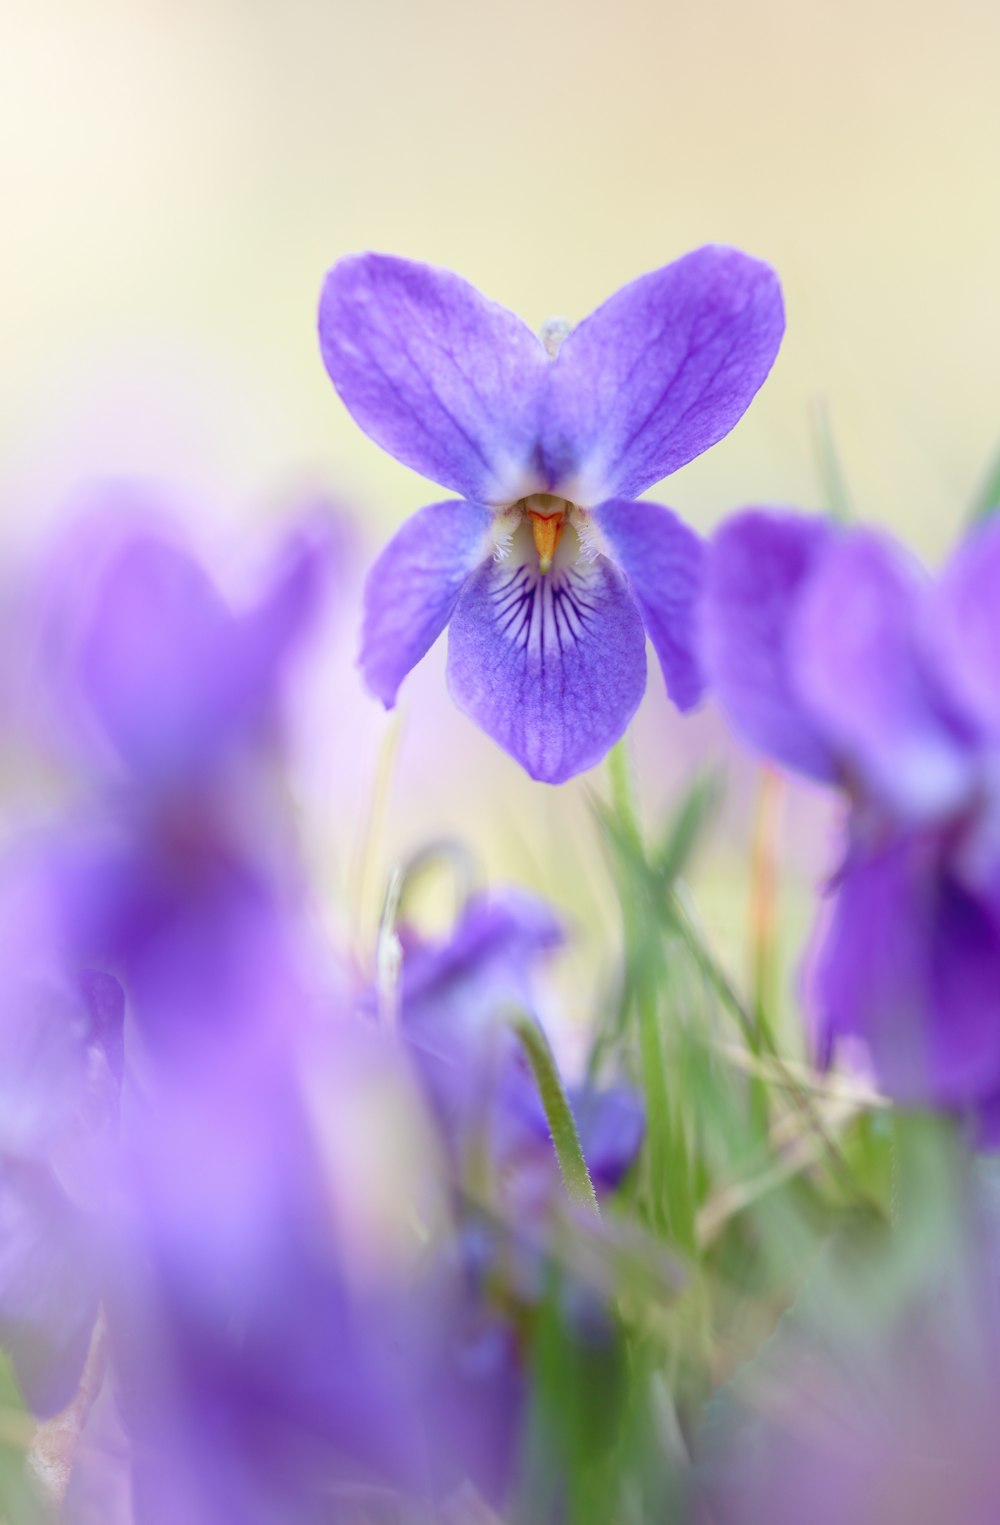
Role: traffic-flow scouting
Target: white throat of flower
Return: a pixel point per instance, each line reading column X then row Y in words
column 547, row 517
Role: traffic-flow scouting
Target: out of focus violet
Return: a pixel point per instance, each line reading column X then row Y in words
column 241, row 1196
column 835, row 653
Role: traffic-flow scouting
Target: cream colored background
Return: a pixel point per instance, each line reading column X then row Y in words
column 175, row 177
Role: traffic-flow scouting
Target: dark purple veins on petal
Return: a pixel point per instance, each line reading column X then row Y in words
column 552, row 667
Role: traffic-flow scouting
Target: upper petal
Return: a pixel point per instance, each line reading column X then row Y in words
column 856, row 663
column 663, row 561
column 551, row 667
column 145, row 646
column 447, row 382
column 659, row 372
column 757, row 567
column 411, row 590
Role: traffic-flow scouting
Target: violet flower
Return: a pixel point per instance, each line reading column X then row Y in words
column 152, row 667
column 547, row 572
column 835, row 654
column 516, row 1232
column 455, row 997
column 171, row 700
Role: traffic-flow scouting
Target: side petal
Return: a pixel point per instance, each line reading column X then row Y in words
column 411, row 590
column 856, row 663
column 659, row 372
column 551, row 667
column 663, row 561
column 442, row 379
column 757, row 567
column 963, row 628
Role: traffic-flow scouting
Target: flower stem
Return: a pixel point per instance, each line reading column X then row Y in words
column 558, row 1113
column 623, row 789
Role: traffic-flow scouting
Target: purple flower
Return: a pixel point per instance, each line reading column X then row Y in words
column 171, row 698
column 151, row 665
column 837, row 655
column 549, row 575
column 456, row 995
column 510, row 1200
column 270, row 1366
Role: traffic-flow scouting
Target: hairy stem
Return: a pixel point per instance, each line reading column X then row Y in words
column 558, row 1114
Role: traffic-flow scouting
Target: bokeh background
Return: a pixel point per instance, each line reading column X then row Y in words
column 175, row 178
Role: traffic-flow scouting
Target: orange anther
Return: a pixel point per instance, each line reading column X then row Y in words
column 546, row 528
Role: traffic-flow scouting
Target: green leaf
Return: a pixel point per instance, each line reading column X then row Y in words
column 833, row 482
column 987, row 499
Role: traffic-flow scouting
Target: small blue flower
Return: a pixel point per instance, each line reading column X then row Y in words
column 549, row 575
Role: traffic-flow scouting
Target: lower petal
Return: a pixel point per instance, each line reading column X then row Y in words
column 552, row 667
column 662, row 560
column 911, row 965
column 412, row 588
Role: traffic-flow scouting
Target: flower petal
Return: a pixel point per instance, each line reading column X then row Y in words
column 172, row 676
column 611, row 1124
column 551, row 667
column 911, row 964
column 659, row 372
column 411, row 590
column 855, row 663
column 963, row 629
column 663, row 561
column 447, row 382
column 487, row 961
column 43, row 1063
column 757, row 567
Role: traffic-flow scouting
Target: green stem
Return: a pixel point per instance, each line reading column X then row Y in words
column 644, row 959
column 558, row 1114
column 623, row 789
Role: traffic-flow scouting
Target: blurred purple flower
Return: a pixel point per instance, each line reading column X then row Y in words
column 833, row 652
column 549, row 575
column 456, row 996
column 293, row 1326
column 143, row 652
column 173, row 871
column 509, row 1198
column 265, row 1373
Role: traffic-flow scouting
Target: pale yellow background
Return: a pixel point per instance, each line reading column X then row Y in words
column 175, row 177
